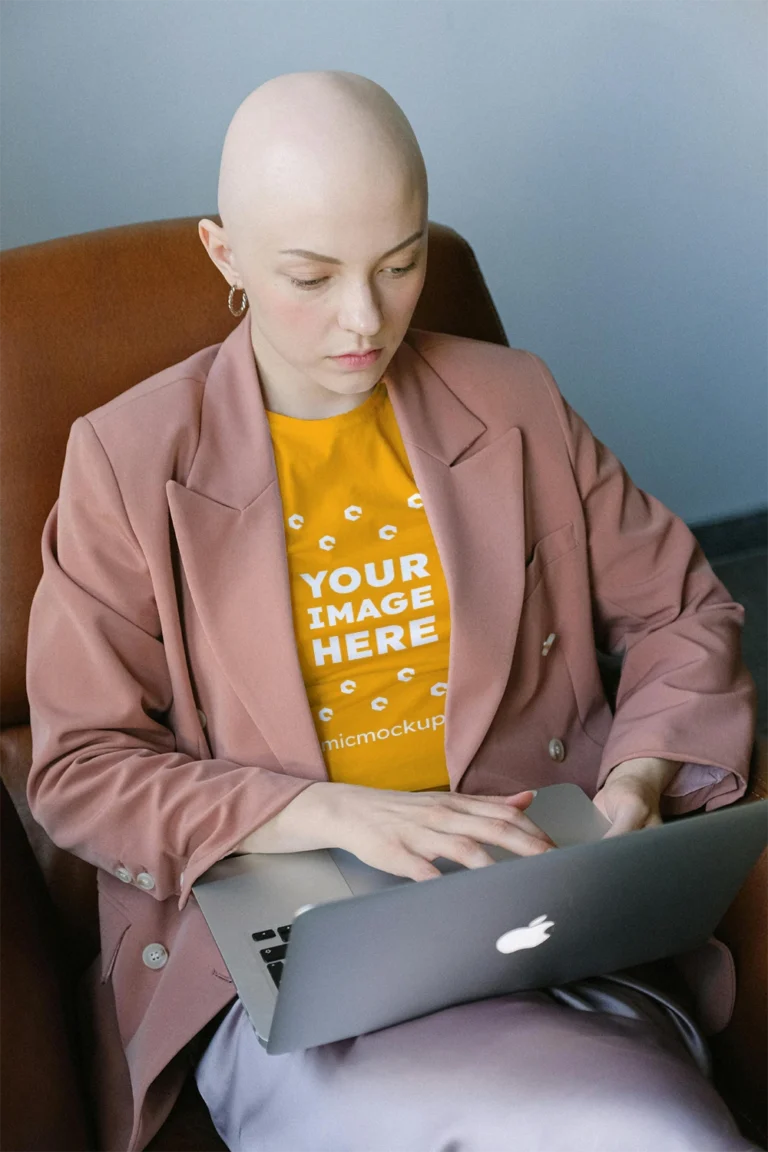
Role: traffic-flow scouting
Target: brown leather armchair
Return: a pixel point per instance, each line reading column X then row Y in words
column 81, row 320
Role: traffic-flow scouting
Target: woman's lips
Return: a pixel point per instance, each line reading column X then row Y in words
column 358, row 361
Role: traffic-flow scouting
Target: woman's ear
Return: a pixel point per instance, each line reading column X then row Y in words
column 214, row 240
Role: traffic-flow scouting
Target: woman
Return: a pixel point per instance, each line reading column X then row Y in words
column 291, row 601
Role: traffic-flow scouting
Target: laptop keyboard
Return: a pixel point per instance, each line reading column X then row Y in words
column 274, row 954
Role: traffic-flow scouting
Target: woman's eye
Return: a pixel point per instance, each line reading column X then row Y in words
column 308, row 283
column 400, row 272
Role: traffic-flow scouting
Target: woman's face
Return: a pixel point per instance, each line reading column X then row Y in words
column 355, row 293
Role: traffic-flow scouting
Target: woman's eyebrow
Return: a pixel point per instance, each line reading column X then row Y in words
column 332, row 259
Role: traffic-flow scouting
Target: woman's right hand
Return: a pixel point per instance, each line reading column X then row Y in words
column 401, row 832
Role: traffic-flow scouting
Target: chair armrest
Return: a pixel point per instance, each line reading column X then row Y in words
column 42, row 1100
column 740, row 1052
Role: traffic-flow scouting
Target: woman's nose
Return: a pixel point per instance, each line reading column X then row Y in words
column 360, row 311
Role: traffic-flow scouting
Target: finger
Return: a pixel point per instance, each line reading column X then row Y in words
column 462, row 849
column 494, row 830
column 631, row 815
column 520, row 799
column 519, row 820
column 510, row 814
column 517, row 799
column 411, row 865
column 493, row 825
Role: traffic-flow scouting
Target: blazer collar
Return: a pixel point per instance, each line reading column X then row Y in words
column 234, row 462
column 229, row 524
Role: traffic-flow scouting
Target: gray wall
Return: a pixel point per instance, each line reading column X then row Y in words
column 607, row 161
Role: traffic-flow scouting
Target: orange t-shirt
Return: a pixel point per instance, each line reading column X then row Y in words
column 370, row 602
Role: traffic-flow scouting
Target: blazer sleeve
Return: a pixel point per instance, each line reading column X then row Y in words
column 106, row 781
column 685, row 693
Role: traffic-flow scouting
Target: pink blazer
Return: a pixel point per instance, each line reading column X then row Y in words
column 168, row 710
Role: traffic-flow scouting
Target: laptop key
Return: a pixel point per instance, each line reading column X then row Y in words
column 285, row 932
column 277, row 953
column 267, row 934
column 276, row 971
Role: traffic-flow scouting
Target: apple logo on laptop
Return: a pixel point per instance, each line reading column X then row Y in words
column 532, row 935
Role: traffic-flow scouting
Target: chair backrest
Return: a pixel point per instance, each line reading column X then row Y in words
column 82, row 319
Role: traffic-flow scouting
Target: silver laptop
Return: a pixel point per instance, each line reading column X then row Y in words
column 322, row 947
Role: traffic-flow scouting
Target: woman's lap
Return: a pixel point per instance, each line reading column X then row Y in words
column 522, row 1072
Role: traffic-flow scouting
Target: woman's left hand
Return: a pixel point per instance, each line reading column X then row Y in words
column 631, row 794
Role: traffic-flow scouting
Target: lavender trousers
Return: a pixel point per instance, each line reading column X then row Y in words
column 598, row 1066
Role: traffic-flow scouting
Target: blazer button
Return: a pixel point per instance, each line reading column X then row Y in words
column 548, row 643
column 556, row 750
column 146, row 881
column 155, row 956
column 123, row 874
column 202, row 718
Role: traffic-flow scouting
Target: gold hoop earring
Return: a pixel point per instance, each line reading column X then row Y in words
column 243, row 303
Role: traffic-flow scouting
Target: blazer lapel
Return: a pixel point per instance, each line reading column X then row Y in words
column 228, row 520
column 473, row 497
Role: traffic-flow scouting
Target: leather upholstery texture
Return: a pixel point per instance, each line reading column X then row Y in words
column 82, row 319
column 43, row 1105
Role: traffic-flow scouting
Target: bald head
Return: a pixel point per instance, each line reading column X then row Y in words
column 305, row 143
column 323, row 201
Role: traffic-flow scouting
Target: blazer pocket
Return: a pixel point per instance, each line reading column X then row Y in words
column 113, row 925
column 548, row 549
